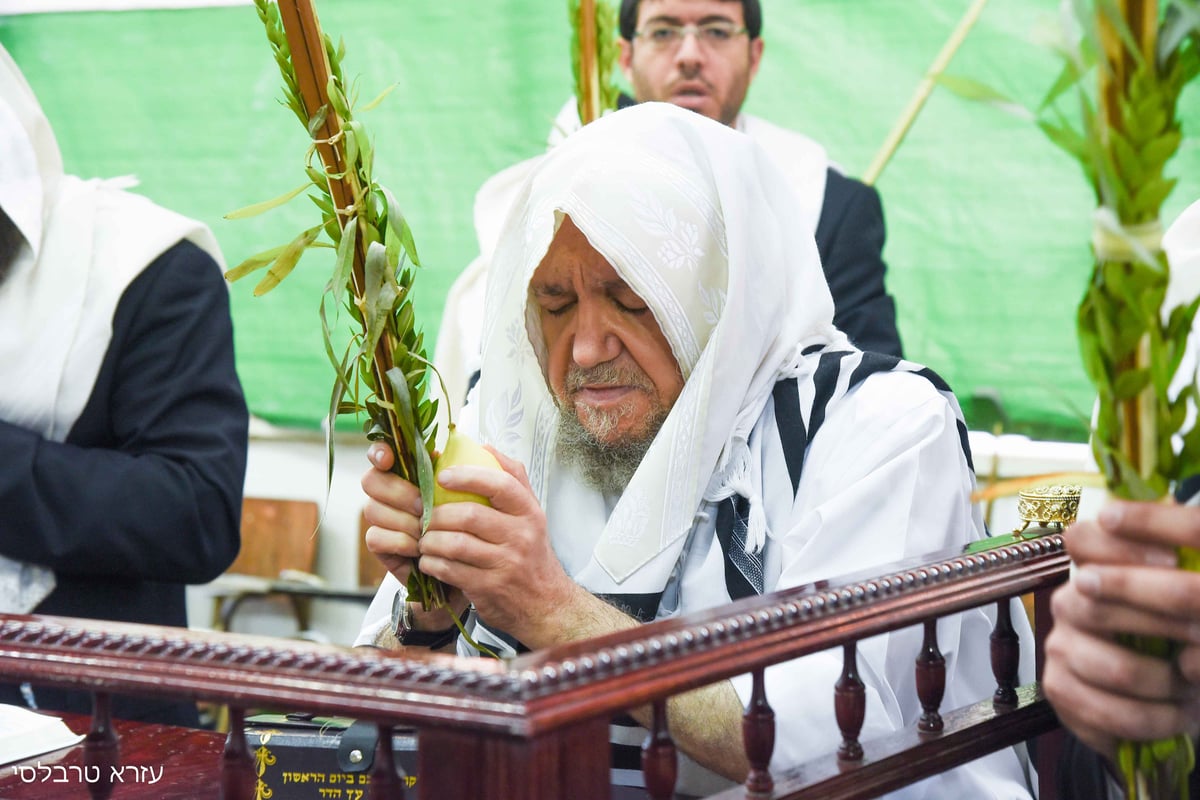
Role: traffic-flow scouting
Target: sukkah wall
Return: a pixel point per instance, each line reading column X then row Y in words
column 988, row 222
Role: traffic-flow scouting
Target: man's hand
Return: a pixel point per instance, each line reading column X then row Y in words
column 502, row 560
column 393, row 511
column 501, row 556
column 1126, row 583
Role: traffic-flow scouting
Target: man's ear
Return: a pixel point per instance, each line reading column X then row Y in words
column 625, row 58
column 756, row 51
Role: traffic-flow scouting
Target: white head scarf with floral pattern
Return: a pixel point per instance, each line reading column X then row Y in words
column 696, row 219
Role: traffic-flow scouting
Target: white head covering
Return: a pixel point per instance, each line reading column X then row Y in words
column 697, row 221
column 84, row 242
column 802, row 161
column 1182, row 245
column 1181, row 242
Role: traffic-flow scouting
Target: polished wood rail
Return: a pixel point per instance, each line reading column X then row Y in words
column 536, row 727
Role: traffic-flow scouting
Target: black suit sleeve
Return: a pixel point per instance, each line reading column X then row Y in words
column 148, row 484
column 850, row 236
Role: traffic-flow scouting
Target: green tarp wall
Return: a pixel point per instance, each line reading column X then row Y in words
column 988, row 223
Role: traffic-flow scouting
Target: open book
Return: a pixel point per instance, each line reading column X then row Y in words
column 25, row 734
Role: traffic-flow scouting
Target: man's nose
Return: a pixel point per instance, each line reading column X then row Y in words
column 595, row 340
column 691, row 51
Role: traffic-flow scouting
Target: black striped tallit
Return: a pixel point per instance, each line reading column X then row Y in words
column 797, row 427
column 744, row 571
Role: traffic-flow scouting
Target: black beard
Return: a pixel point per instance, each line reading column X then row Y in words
column 10, row 244
column 605, row 467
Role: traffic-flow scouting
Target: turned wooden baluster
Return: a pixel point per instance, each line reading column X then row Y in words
column 100, row 747
column 931, row 680
column 237, row 769
column 659, row 763
column 386, row 783
column 850, row 704
column 1006, row 653
column 758, row 735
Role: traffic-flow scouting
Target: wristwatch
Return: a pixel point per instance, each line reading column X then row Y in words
column 407, row 635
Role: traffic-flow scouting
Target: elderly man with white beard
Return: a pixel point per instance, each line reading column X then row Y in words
column 680, row 424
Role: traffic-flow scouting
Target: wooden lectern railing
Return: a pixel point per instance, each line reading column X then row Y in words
column 536, row 727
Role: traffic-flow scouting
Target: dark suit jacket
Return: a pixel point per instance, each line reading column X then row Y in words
column 145, row 494
column 850, row 236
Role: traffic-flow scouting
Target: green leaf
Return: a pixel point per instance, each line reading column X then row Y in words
column 1149, row 199
column 1128, row 162
column 318, row 177
column 1178, row 328
column 1159, row 151
column 335, row 399
column 287, row 261
column 1103, row 315
column 351, row 137
column 971, row 89
column 1129, row 383
column 1066, row 80
column 397, row 223
column 345, row 258
column 1132, row 486
column 266, row 205
column 365, row 148
column 254, row 263
column 407, row 422
column 1093, row 360
column 378, row 295
column 405, row 319
column 1179, row 412
column 367, row 231
column 323, row 203
column 1066, row 137
column 327, row 336
column 379, row 98
column 318, row 121
column 336, row 98
column 1189, row 453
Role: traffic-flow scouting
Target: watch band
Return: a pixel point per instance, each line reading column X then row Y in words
column 402, row 626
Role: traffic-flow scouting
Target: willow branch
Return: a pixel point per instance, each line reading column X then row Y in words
column 311, row 65
column 922, row 92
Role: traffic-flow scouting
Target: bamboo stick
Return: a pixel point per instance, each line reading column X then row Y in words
column 589, row 67
column 922, row 92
